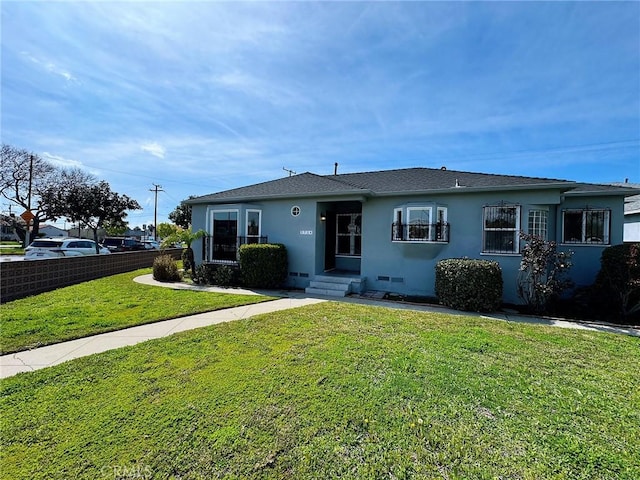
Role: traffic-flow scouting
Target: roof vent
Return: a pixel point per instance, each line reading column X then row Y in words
column 443, row 168
column 335, row 168
column 457, row 183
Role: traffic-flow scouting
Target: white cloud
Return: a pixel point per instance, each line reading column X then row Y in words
column 154, row 149
column 51, row 67
column 61, row 161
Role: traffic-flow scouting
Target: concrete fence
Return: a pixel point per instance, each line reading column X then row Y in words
column 20, row 279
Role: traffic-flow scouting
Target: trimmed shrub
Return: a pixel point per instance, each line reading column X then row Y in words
column 165, row 269
column 468, row 284
column 263, row 265
column 213, row 274
column 615, row 294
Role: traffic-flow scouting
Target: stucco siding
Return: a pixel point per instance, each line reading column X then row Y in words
column 409, row 267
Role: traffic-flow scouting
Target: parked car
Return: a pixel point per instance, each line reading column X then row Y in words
column 61, row 247
column 122, row 244
column 151, row 245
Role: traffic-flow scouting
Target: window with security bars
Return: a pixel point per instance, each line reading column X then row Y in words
column 589, row 226
column 501, row 225
column 538, row 223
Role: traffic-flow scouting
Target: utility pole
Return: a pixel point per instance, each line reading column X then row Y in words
column 27, row 235
column 156, row 189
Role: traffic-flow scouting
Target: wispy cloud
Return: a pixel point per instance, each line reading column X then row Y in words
column 154, row 149
column 51, row 67
column 233, row 91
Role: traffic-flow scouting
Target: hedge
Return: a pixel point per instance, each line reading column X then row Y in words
column 468, row 284
column 263, row 265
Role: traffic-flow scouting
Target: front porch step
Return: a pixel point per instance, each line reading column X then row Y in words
column 327, row 292
column 334, row 286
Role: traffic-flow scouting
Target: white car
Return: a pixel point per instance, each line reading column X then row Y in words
column 61, row 247
column 151, row 245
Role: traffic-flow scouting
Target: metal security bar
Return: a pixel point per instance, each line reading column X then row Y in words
column 420, row 232
column 224, row 249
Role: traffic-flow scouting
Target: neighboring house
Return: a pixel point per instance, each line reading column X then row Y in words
column 631, row 214
column 386, row 230
column 8, row 227
column 52, row 231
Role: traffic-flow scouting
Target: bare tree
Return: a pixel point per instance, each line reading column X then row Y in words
column 24, row 176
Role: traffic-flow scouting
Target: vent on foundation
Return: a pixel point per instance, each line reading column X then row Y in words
column 383, row 278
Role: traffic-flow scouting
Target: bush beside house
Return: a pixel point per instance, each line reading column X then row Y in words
column 260, row 266
column 615, row 294
column 468, row 284
column 263, row 265
column 165, row 269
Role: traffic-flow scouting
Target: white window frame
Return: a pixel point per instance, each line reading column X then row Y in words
column 606, row 240
column 402, row 218
column 354, row 231
column 246, row 222
column 422, row 238
column 538, row 222
column 515, row 230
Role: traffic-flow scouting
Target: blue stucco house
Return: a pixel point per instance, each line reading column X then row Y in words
column 386, row 230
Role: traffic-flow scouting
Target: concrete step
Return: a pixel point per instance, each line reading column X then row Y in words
column 330, row 285
column 327, row 292
column 330, row 279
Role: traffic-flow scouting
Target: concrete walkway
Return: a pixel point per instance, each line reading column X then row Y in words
column 30, row 360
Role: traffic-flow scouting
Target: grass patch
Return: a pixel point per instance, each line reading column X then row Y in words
column 17, row 250
column 335, row 391
column 102, row 305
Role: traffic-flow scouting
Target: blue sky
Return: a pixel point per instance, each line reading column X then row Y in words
column 201, row 96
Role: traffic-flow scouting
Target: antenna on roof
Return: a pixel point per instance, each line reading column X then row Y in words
column 291, row 172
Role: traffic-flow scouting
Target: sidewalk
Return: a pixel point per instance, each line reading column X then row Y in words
column 30, row 360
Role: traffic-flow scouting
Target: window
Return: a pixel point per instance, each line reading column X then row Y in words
column 225, row 235
column 349, row 234
column 538, row 221
column 295, row 211
column 416, row 224
column 586, row 226
column 253, row 226
column 500, row 229
column 419, row 221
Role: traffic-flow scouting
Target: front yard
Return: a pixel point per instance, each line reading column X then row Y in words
column 335, row 391
column 98, row 306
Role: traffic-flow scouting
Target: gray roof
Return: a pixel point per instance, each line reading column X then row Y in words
column 632, row 202
column 393, row 182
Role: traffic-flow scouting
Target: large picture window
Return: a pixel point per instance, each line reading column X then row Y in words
column 419, row 220
column 501, row 225
column 586, row 226
column 225, row 235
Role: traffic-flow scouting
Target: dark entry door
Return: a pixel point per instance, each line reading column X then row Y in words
column 330, row 242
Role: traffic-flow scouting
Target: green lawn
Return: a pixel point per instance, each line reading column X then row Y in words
column 110, row 303
column 10, row 247
column 335, row 391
